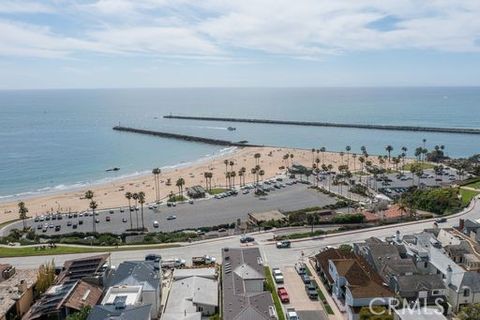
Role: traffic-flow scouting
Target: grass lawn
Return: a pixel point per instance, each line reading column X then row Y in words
column 177, row 198
column 215, row 191
column 475, row 185
column 276, row 298
column 31, row 251
column 422, row 165
column 467, row 195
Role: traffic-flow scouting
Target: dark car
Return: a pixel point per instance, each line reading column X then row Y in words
column 74, row 226
column 311, row 290
column 36, row 219
column 246, row 239
column 441, row 220
column 283, row 244
column 306, row 279
column 57, row 228
column 69, row 223
column 153, row 257
column 107, row 218
column 80, row 221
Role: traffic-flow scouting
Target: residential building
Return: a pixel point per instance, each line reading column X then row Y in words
column 16, row 291
column 80, row 278
column 120, row 312
column 258, row 218
column 147, row 275
column 193, row 295
column 356, row 285
column 322, row 264
column 243, row 294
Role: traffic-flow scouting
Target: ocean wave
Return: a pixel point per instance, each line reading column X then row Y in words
column 83, row 184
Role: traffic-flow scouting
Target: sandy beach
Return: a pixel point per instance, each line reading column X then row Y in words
column 113, row 194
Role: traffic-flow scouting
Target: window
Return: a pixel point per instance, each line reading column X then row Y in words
column 436, row 292
column 466, row 292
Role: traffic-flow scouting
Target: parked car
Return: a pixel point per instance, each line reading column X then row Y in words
column 311, row 290
column 80, row 221
column 246, row 239
column 283, row 295
column 124, row 220
column 306, row 279
column 292, row 314
column 283, row 244
column 301, row 268
column 107, row 218
column 69, row 223
column 57, row 228
column 74, row 226
column 441, row 220
column 173, row 263
column 203, row 260
column 277, row 275
column 173, row 217
column 156, row 224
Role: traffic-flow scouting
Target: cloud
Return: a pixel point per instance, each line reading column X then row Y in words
column 304, row 29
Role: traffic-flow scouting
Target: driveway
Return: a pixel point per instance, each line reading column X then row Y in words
column 296, row 291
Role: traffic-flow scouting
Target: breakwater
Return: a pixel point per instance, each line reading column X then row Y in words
column 333, row 124
column 177, row 136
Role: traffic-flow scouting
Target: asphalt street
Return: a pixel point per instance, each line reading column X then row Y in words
column 272, row 256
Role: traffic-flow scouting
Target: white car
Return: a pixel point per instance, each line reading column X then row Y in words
column 277, row 275
column 156, row 224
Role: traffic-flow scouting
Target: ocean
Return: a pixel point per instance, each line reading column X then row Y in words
column 53, row 140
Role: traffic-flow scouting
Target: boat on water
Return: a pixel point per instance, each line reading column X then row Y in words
column 231, row 128
column 112, row 169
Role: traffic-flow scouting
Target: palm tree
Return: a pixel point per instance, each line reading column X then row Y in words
column 402, row 207
column 261, row 173
column 389, row 149
column 22, row 211
column 322, row 150
column 257, row 158
column 129, row 195
column 341, row 155
column 254, row 172
column 141, row 200
column 243, row 170
column 313, row 156
column 226, row 169
column 285, row 159
column 135, row 197
column 240, row 176
column 291, row 159
column 89, row 196
column 354, row 156
column 156, row 173
column 233, row 174
column 348, row 148
column 205, row 175
column 229, row 179
column 93, row 206
column 180, row 183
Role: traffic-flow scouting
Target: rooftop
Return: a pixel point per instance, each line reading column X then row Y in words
column 187, row 293
column 267, row 216
column 241, row 302
column 110, row 312
column 144, row 273
column 13, row 288
column 128, row 295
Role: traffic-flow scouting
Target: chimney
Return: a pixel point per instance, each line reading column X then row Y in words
column 461, row 224
column 449, row 275
column 397, row 236
column 22, row 286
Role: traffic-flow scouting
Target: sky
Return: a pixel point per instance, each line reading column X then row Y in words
column 238, row 43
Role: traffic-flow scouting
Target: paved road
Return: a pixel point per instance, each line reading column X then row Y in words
column 191, row 216
column 271, row 255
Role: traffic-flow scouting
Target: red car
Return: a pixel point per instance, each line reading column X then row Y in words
column 283, row 294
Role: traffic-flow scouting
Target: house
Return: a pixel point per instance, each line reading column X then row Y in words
column 196, row 192
column 120, row 312
column 243, row 294
column 463, row 286
column 322, row 262
column 193, row 295
column 122, row 302
column 16, row 291
column 130, row 275
column 60, row 299
column 425, row 288
column 258, row 218
column 355, row 285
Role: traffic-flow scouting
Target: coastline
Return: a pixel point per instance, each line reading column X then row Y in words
column 111, row 194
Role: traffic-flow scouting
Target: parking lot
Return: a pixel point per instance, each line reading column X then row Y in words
column 201, row 213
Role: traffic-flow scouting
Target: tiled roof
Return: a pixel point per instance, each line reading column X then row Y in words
column 329, row 254
column 83, row 294
column 109, row 312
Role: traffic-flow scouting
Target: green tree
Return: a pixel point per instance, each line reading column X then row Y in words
column 345, row 248
column 82, row 314
column 180, row 183
column 141, row 200
column 389, row 150
column 367, row 314
column 156, row 174
column 89, row 196
column 129, row 195
column 22, row 211
column 135, row 197
column 470, row 312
